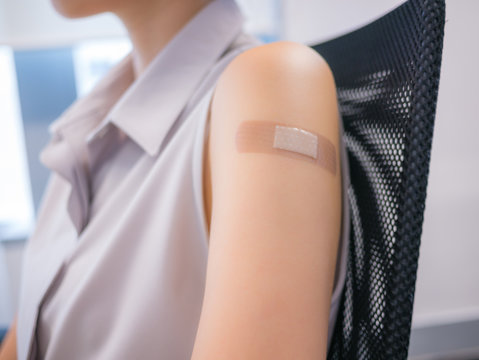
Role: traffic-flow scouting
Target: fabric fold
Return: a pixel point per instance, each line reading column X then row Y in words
column 63, row 156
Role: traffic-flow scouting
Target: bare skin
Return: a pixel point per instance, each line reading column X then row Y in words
column 264, row 213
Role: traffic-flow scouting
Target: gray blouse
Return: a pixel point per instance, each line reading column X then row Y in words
column 116, row 265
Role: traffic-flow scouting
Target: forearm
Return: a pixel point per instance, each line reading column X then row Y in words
column 8, row 348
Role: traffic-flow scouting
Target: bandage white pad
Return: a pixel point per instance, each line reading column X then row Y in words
column 281, row 139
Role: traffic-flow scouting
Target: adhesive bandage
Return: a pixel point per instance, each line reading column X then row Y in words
column 281, row 139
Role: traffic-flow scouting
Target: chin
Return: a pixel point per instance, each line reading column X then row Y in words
column 79, row 8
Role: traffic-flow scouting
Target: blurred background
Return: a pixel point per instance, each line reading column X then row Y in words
column 46, row 62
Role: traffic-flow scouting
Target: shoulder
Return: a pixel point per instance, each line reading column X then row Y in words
column 282, row 78
column 296, row 59
column 278, row 64
column 283, row 81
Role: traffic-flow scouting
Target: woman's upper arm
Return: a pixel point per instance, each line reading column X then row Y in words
column 275, row 221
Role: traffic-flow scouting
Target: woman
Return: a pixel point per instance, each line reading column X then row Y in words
column 195, row 206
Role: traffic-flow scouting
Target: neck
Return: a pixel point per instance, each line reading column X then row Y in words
column 151, row 24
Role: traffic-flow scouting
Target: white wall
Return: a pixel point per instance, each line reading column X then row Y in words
column 6, row 308
column 312, row 21
column 447, row 288
column 11, row 253
column 2, row 19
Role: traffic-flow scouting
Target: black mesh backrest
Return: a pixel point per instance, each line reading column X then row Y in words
column 387, row 76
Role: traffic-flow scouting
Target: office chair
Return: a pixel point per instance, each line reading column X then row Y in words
column 387, row 77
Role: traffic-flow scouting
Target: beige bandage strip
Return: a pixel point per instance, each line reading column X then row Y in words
column 277, row 138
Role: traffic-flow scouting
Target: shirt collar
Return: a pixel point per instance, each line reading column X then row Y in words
column 149, row 106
